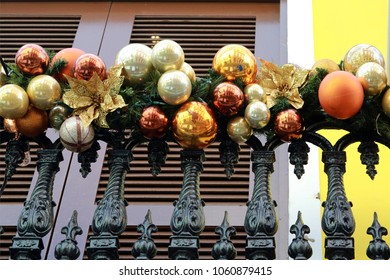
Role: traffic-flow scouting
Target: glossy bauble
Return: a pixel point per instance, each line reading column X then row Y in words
column 360, row 54
column 70, row 56
column 373, row 78
column 87, row 64
column 194, row 126
column 167, row 55
column 288, row 125
column 341, row 94
column 44, row 91
column 174, row 87
column 32, row 59
column 153, row 123
column 14, row 101
column 228, row 99
column 137, row 63
column 257, row 114
column 239, row 130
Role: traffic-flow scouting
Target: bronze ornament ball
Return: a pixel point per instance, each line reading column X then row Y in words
column 44, row 91
column 228, row 99
column 32, row 59
column 58, row 114
column 75, row 136
column 14, row 101
column 153, row 123
column 288, row 125
column 87, row 64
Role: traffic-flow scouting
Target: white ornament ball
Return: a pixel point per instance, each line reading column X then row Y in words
column 75, row 136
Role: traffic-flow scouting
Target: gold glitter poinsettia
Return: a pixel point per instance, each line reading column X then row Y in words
column 94, row 99
column 279, row 82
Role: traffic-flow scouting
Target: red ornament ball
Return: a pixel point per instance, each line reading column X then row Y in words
column 153, row 123
column 341, row 95
column 70, row 55
column 228, row 99
column 87, row 64
column 288, row 125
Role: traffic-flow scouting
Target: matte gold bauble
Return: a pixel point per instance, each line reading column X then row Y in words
column 137, row 63
column 373, row 78
column 167, row 55
column 239, row 130
column 32, row 59
column 58, row 114
column 70, row 56
column 386, row 103
column 288, row 125
column 254, row 92
column 153, row 123
column 189, row 71
column 13, row 101
column 257, row 114
column 75, row 136
column 194, row 126
column 236, row 61
column 360, row 54
column 87, row 64
column 33, row 123
column 44, row 91
column 228, row 98
column 174, row 87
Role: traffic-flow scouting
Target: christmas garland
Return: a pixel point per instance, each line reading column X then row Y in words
column 155, row 94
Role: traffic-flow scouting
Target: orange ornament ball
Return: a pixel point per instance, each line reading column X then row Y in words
column 70, row 55
column 341, row 95
column 33, row 123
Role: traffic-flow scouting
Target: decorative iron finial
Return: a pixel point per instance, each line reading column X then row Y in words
column 67, row 249
column 300, row 248
column 145, row 248
column 87, row 157
column 378, row 249
column 369, row 157
column 224, row 249
column 229, row 153
column 299, row 156
column 157, row 155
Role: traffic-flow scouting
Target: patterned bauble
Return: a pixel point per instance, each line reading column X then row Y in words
column 75, row 136
column 189, row 71
column 386, row 103
column 228, row 99
column 254, row 92
column 373, row 78
column 341, row 95
column 70, row 56
column 360, row 54
column 167, row 55
column 174, row 87
column 288, row 125
column 58, row 114
column 236, row 61
column 13, row 101
column 137, row 63
column 32, row 59
column 44, row 91
column 153, row 123
column 87, row 64
column 194, row 126
column 257, row 114
column 239, row 130
column 33, row 123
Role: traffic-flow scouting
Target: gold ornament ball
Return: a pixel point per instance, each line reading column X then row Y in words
column 257, row 114
column 373, row 78
column 14, row 101
column 239, row 130
column 386, row 103
column 33, row 123
column 87, row 64
column 228, row 99
column 254, row 92
column 236, row 61
column 360, row 54
column 288, row 125
column 44, row 91
column 58, row 114
column 174, row 87
column 194, row 126
column 153, row 123
column 324, row 63
column 167, row 55
column 189, row 71
column 137, row 62
column 75, row 136
column 32, row 59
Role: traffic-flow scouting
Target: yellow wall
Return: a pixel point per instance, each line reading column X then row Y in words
column 339, row 25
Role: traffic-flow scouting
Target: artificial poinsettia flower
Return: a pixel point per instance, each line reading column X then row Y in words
column 94, row 99
column 282, row 82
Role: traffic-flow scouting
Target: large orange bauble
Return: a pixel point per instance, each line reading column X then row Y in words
column 33, row 123
column 70, row 55
column 341, row 95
